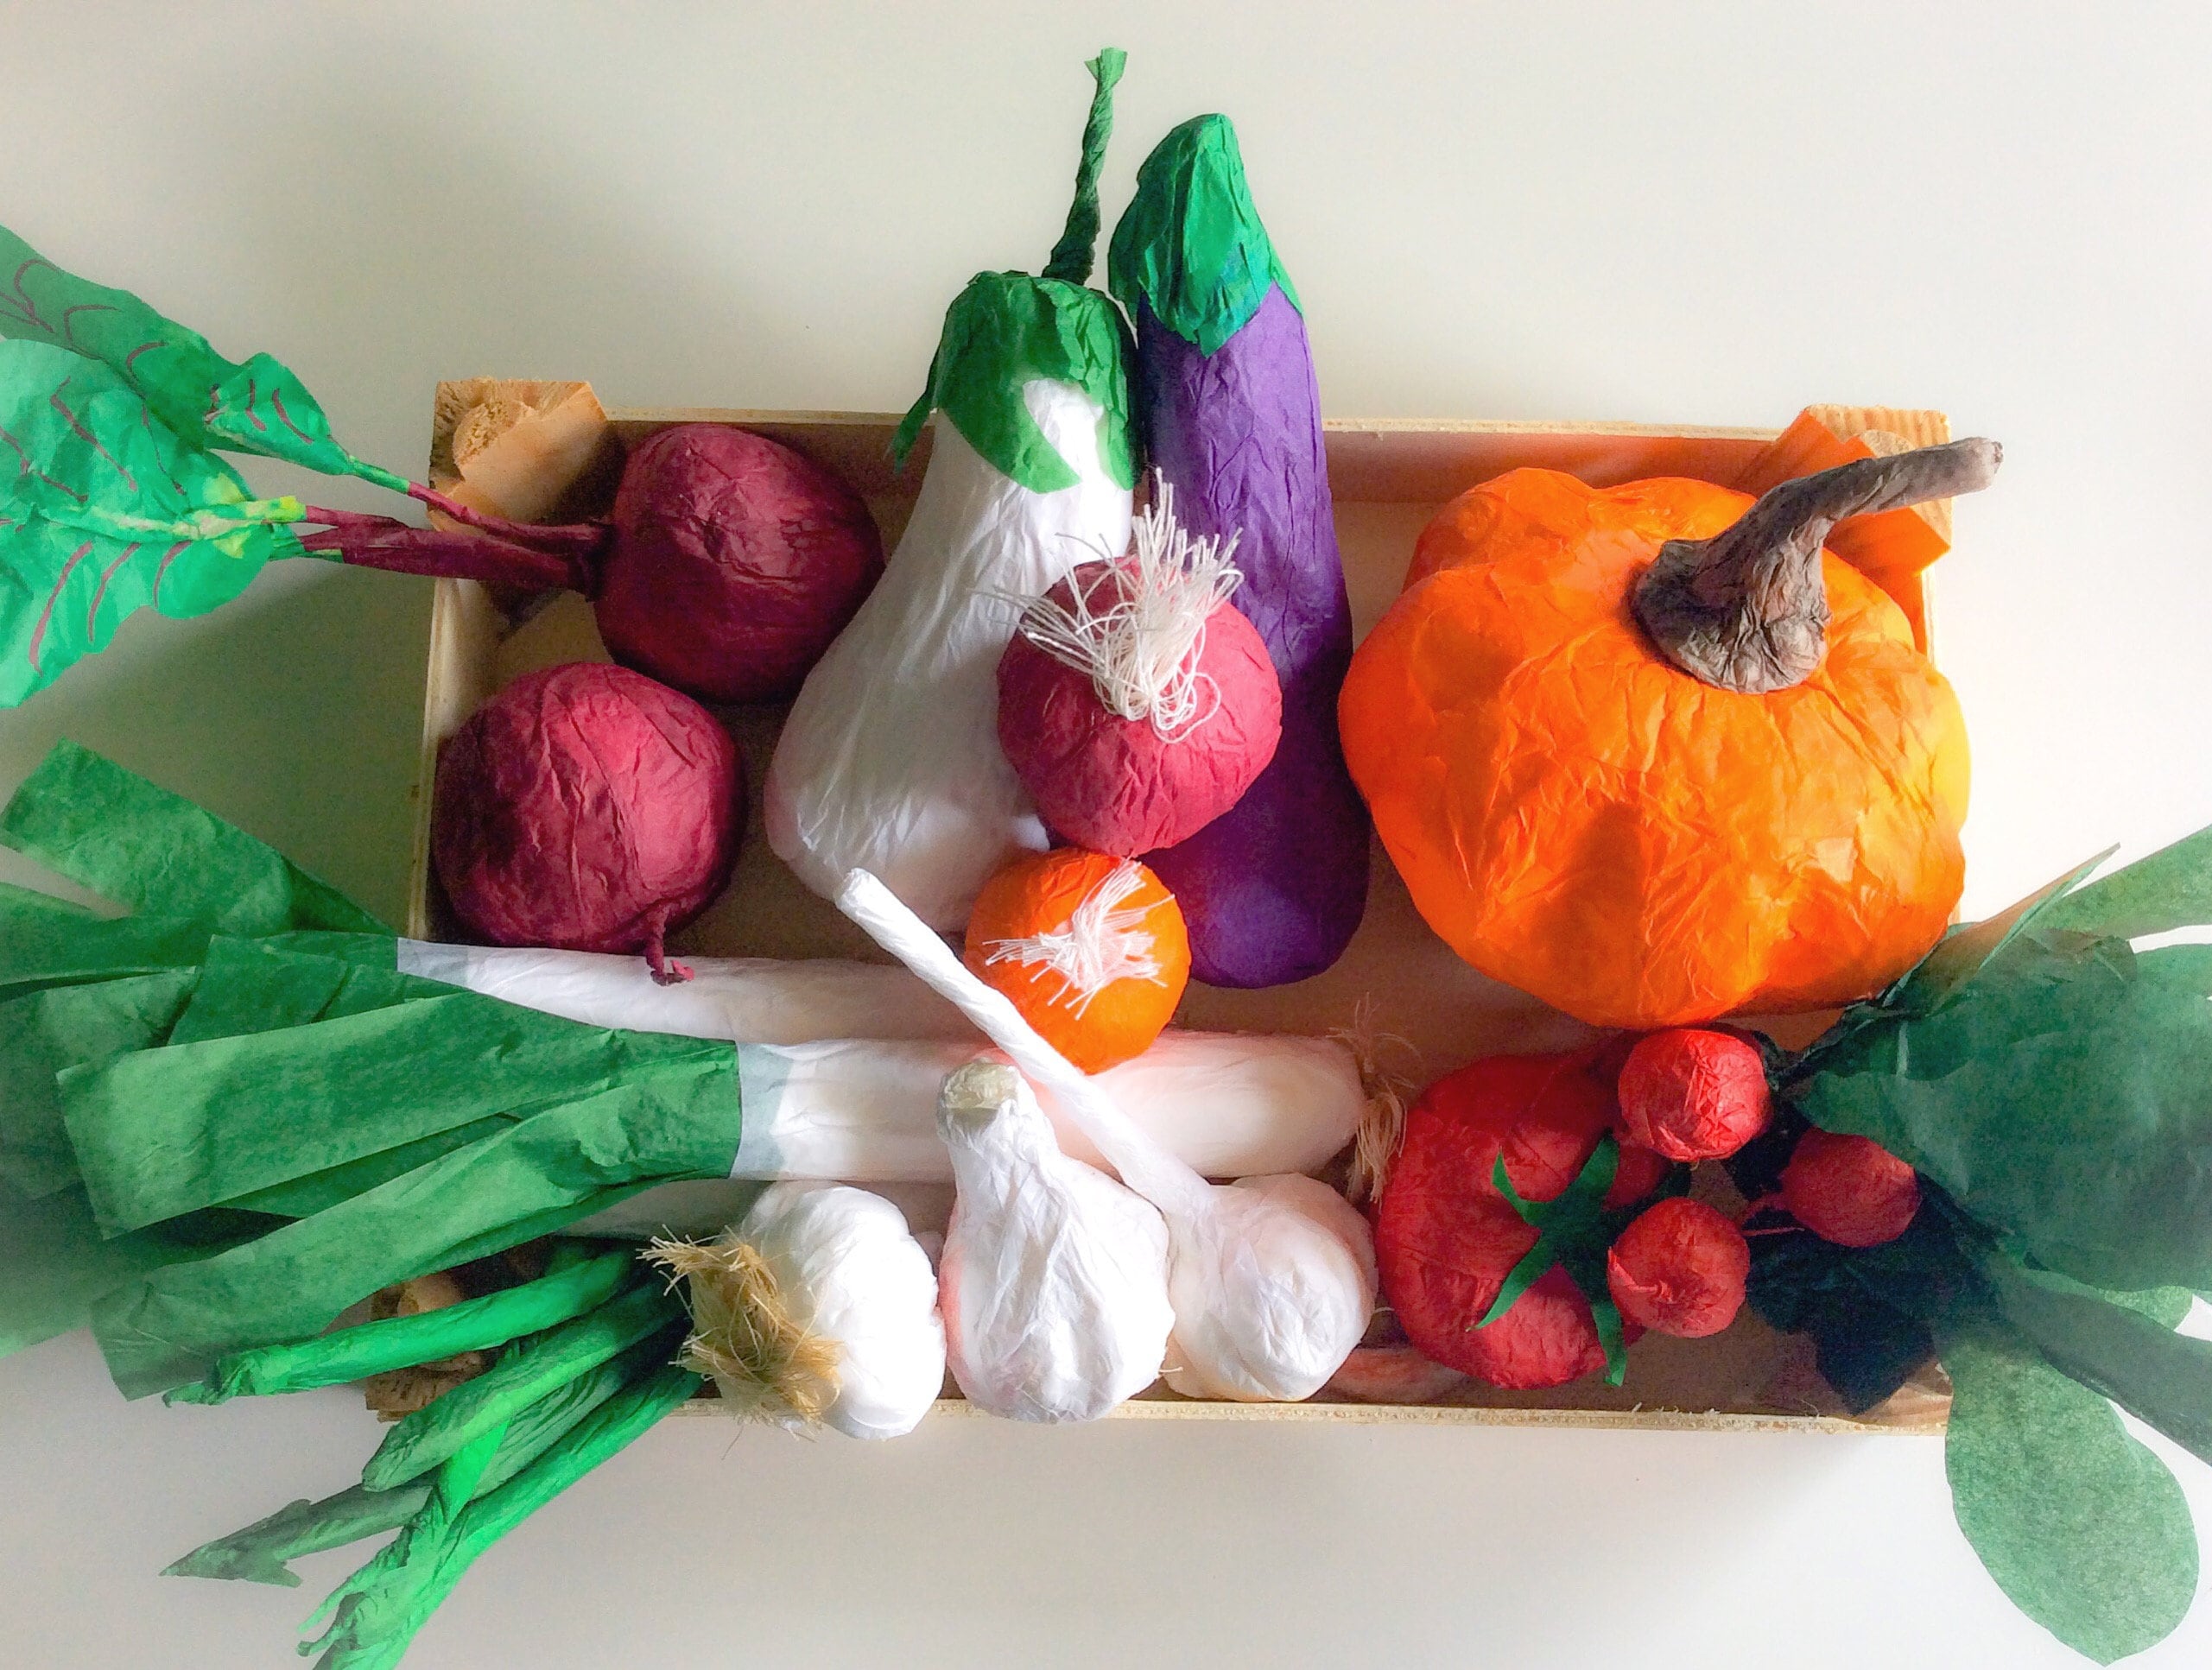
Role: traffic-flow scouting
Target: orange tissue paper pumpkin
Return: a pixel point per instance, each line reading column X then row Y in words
column 1652, row 755
column 1091, row 949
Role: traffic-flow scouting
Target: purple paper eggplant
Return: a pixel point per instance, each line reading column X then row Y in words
column 1273, row 888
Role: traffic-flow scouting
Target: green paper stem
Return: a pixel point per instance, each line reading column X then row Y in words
column 426, row 1437
column 1072, row 256
column 613, row 1427
column 261, row 1552
column 397, row 1572
column 1564, row 1226
column 1005, row 330
column 406, row 1341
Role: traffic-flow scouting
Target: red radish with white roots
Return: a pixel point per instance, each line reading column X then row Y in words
column 1136, row 704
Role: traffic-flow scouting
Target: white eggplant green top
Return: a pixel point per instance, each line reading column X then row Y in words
column 890, row 761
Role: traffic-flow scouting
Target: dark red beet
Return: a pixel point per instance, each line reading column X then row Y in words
column 588, row 808
column 1850, row 1190
column 734, row 563
column 1445, row 1238
column 1117, row 785
column 1679, row 1269
column 1693, row 1094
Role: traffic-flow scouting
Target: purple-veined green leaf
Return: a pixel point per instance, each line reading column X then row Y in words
column 259, row 407
column 104, row 511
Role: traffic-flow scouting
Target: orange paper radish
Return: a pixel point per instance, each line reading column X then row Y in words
column 1091, row 949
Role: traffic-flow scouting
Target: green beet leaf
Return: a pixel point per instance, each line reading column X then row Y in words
column 258, row 406
column 110, row 512
column 2080, row 1526
column 2120, row 1345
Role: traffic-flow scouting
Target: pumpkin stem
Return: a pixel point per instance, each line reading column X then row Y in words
column 1746, row 609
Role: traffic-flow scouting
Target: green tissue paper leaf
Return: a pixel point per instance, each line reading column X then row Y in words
column 1190, row 246
column 258, row 406
column 2121, row 1346
column 108, row 512
column 42, row 1034
column 2080, row 1526
column 1004, row 332
column 127, row 840
column 2062, row 1098
column 2170, row 889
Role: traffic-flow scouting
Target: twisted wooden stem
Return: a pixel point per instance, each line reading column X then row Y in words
column 1746, row 609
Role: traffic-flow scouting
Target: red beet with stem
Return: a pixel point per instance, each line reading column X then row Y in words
column 727, row 565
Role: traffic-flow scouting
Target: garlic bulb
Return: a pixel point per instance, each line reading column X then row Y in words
column 1273, row 1287
column 820, row 1306
column 1301, row 1264
column 1054, row 1282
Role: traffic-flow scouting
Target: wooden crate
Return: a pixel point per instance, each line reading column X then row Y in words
column 1389, row 476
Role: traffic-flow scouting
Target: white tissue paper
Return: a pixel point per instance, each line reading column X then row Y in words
column 1054, row 1281
column 1300, row 1263
column 890, row 759
column 1273, row 1287
column 847, row 1269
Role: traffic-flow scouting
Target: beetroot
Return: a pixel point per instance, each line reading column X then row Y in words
column 734, row 563
column 1679, row 1269
column 588, row 808
column 1135, row 703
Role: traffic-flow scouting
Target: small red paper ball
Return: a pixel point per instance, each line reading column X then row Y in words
column 1850, row 1190
column 1117, row 785
column 1693, row 1094
column 1679, row 1269
column 586, row 808
column 1445, row 1239
column 735, row 562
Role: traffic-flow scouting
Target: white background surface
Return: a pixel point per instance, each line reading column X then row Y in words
column 1708, row 213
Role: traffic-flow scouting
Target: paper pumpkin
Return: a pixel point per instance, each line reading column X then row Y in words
column 1091, row 949
column 1135, row 703
column 1649, row 755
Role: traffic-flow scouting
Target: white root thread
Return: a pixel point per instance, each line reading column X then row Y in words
column 1142, row 653
column 1102, row 942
